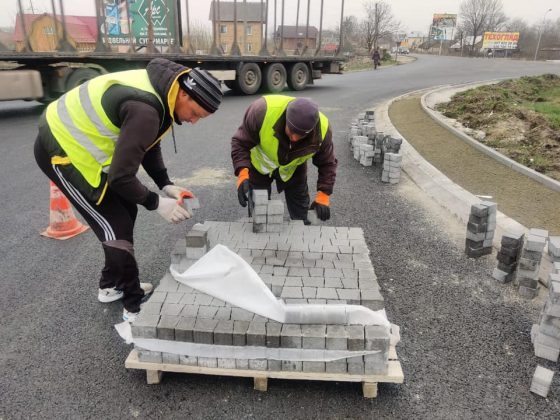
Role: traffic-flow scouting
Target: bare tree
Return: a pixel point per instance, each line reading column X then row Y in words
column 478, row 16
column 379, row 23
column 201, row 37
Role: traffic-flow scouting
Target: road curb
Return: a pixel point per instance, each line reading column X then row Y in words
column 439, row 187
column 443, row 122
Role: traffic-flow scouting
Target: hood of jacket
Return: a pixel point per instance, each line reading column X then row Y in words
column 163, row 75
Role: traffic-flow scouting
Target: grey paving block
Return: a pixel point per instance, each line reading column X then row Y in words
column 326, row 293
column 166, row 327
column 150, row 356
column 356, row 365
column 376, row 338
column 170, row 358
column 309, row 292
column 258, row 364
column 355, row 336
column 274, row 365
column 207, row 312
column 208, row 362
column 188, row 360
column 196, row 239
column 292, row 366
column 238, row 314
column 348, row 294
column 204, row 331
column 542, row 379
column 313, row 336
column 291, row 281
column 157, row 297
column 226, row 363
column 145, row 326
column 336, row 338
column 290, row 336
column 273, row 332
column 291, row 292
column 203, row 299
column 239, row 335
column 256, row 334
column 223, row 333
column 313, row 366
column 337, row 366
column 184, row 329
column 189, row 311
column 242, row 364
column 152, row 308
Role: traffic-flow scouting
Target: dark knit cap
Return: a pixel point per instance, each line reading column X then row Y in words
column 302, row 116
column 203, row 88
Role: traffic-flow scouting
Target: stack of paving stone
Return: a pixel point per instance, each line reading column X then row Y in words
column 508, row 257
column 527, row 275
column 267, row 214
column 392, row 159
column 542, row 379
column 378, row 147
column 366, row 154
column 546, row 334
column 300, row 264
column 357, row 142
column 554, row 248
column 480, row 229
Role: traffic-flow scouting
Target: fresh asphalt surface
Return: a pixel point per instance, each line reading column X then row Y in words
column 465, row 347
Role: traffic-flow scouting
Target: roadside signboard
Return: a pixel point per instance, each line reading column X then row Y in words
column 500, row 40
column 117, row 21
column 443, row 26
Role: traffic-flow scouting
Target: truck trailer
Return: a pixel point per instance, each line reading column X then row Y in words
column 122, row 43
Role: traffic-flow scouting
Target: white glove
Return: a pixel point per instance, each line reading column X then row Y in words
column 175, row 191
column 171, row 210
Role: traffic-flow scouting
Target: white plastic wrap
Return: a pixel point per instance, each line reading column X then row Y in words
column 223, row 274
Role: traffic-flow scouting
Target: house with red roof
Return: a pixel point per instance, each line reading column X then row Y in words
column 44, row 32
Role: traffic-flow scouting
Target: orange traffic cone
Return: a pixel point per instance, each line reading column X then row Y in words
column 63, row 223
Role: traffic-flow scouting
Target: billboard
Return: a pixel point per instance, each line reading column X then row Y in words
column 444, row 20
column 117, row 21
column 500, row 40
column 443, row 26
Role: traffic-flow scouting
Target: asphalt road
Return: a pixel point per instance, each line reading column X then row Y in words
column 465, row 344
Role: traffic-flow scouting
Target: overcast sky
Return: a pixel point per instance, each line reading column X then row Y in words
column 414, row 15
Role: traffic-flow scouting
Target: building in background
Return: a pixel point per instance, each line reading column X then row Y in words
column 44, row 32
column 294, row 38
column 249, row 26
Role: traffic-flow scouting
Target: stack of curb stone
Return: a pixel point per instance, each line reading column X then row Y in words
column 391, row 168
column 508, row 257
column 546, row 334
column 542, row 379
column 366, row 154
column 527, row 275
column 554, row 248
column 300, row 264
column 480, row 229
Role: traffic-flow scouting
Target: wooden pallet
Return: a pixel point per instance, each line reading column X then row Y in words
column 154, row 372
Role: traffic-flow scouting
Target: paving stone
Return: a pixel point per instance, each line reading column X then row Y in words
column 542, row 379
column 188, row 360
column 189, row 311
column 242, row 364
column 208, row 362
column 355, row 335
column 203, row 299
column 313, row 336
column 258, row 364
column 223, row 333
column 290, row 336
column 273, row 332
column 166, row 327
column 204, row 331
column 292, row 366
column 256, row 334
column 207, row 312
column 226, row 363
column 349, row 294
column 326, row 293
column 336, row 338
column 157, row 297
column 293, row 282
column 170, row 358
column 291, row 292
column 313, row 366
column 309, row 292
column 239, row 335
column 238, row 314
column 153, row 308
column 356, row 365
column 336, row 366
column 196, row 239
column 333, row 282
column 184, row 329
column 145, row 326
column 150, row 356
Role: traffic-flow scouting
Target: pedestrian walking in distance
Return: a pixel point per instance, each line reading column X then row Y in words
column 376, row 57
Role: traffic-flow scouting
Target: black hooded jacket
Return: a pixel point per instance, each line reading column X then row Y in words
column 142, row 120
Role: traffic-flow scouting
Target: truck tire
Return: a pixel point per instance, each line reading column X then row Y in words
column 232, row 85
column 248, row 79
column 299, row 76
column 275, row 77
column 79, row 76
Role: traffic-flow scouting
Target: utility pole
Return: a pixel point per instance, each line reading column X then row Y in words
column 540, row 34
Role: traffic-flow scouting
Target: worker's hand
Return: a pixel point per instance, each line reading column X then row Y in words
column 177, row 192
column 171, row 210
column 321, row 206
column 243, row 186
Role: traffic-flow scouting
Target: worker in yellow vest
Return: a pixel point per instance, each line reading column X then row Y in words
column 277, row 137
column 91, row 143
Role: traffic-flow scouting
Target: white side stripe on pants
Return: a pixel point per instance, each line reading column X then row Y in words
column 76, row 195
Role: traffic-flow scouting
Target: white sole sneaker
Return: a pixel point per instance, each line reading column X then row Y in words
column 129, row 316
column 111, row 294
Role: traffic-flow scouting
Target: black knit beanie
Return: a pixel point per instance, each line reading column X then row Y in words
column 203, row 88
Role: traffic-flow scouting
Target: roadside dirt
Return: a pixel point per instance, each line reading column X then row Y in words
column 520, row 119
column 518, row 196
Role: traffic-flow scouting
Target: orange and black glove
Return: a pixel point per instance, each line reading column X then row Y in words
column 321, row 206
column 243, row 186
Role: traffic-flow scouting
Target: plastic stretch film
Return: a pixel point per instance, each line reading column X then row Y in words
column 224, row 275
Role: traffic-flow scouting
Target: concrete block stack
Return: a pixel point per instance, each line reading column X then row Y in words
column 546, row 334
column 357, row 141
column 301, row 264
column 527, row 275
column 259, row 210
column 366, row 154
column 378, row 147
column 480, row 229
column 542, row 379
column 274, row 216
column 508, row 257
column 392, row 160
column 554, row 248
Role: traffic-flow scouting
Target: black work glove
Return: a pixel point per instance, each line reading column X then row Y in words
column 242, row 191
column 323, row 212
